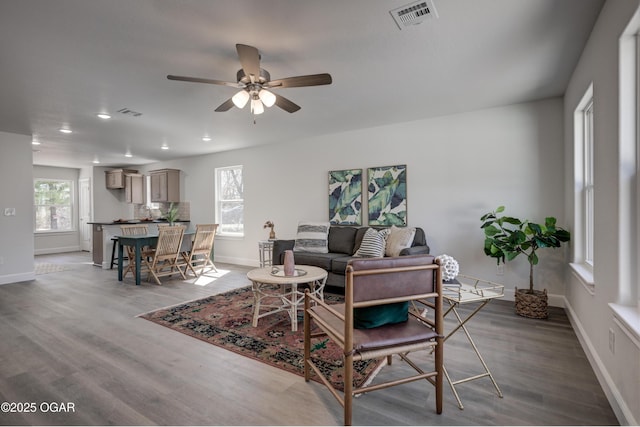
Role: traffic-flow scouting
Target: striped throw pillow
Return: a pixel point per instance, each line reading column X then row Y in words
column 312, row 237
column 373, row 243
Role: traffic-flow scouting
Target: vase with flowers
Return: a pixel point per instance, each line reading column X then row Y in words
column 270, row 224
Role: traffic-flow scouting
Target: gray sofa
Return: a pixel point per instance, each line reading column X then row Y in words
column 343, row 242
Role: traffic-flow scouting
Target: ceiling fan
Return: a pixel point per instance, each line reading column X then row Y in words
column 254, row 83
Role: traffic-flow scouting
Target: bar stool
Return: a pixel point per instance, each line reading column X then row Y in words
column 114, row 260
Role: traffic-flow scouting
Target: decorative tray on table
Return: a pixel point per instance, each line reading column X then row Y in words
column 279, row 272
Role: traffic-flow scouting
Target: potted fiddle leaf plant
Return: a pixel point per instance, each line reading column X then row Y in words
column 507, row 237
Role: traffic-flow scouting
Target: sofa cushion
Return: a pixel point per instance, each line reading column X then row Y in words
column 373, row 243
column 323, row 261
column 342, row 239
column 387, row 314
column 339, row 264
column 359, row 235
column 399, row 239
column 419, row 239
column 312, row 237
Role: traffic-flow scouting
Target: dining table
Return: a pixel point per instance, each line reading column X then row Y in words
column 138, row 241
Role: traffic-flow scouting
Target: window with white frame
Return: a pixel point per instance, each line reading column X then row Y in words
column 584, row 183
column 230, row 201
column 53, row 205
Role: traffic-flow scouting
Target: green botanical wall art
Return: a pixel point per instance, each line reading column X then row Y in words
column 387, row 188
column 345, row 197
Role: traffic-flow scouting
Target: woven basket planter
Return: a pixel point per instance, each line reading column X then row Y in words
column 532, row 305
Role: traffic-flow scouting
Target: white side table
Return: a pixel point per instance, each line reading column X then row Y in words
column 470, row 290
column 265, row 250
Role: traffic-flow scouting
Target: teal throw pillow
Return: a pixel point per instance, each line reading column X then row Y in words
column 372, row 317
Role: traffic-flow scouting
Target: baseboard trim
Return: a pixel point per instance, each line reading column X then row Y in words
column 47, row 251
column 620, row 408
column 237, row 261
column 19, row 277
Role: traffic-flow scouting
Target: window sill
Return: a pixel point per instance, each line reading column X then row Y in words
column 229, row 236
column 584, row 276
column 628, row 318
column 58, row 232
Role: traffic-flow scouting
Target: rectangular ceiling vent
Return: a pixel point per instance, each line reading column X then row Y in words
column 414, row 13
column 129, row 112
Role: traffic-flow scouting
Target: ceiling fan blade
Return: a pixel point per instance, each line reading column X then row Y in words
column 249, row 59
column 225, row 106
column 300, row 81
column 200, row 80
column 286, row 105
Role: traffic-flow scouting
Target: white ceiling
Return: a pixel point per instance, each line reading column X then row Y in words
column 63, row 61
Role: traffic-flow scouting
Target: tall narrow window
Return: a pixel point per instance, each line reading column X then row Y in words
column 53, row 205
column 584, row 186
column 588, row 183
column 230, row 201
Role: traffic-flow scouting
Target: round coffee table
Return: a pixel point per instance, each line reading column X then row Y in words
column 274, row 291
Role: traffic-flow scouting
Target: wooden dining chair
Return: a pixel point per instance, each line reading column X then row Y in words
column 132, row 230
column 199, row 256
column 164, row 257
column 375, row 322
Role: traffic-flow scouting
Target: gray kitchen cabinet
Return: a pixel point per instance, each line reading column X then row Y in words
column 115, row 178
column 134, row 188
column 97, row 245
column 165, row 185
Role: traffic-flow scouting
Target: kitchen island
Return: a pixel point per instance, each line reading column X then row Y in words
column 104, row 231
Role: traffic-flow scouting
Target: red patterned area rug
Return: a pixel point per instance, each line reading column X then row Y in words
column 225, row 320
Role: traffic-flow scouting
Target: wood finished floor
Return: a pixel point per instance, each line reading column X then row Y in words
column 73, row 336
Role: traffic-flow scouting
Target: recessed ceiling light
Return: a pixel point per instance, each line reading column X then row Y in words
column 206, row 138
column 96, row 161
column 35, row 142
column 104, row 116
column 65, row 130
column 128, row 154
column 165, row 147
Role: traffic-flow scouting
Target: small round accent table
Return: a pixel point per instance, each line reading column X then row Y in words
column 275, row 292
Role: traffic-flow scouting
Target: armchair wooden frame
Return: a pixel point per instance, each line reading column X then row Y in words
column 164, row 258
column 200, row 254
column 372, row 282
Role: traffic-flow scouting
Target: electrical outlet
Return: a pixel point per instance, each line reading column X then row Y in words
column 500, row 269
column 9, row 211
column 612, row 341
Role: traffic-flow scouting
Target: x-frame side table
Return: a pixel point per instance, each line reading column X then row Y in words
column 474, row 291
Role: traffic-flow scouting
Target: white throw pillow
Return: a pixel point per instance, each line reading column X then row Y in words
column 312, row 237
column 373, row 243
column 399, row 239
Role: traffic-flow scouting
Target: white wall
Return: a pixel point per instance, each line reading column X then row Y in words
column 589, row 310
column 16, row 191
column 458, row 168
column 47, row 243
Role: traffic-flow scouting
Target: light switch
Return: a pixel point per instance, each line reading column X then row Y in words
column 9, row 211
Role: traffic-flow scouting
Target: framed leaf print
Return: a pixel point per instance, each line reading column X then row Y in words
column 387, row 191
column 345, row 197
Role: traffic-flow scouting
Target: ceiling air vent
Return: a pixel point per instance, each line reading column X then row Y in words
column 129, row 112
column 414, row 13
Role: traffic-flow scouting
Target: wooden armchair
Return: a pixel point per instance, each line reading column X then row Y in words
column 387, row 285
column 200, row 254
column 132, row 230
column 164, row 258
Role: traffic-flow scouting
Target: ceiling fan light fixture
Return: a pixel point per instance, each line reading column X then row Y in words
column 267, row 98
column 240, row 99
column 256, row 106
